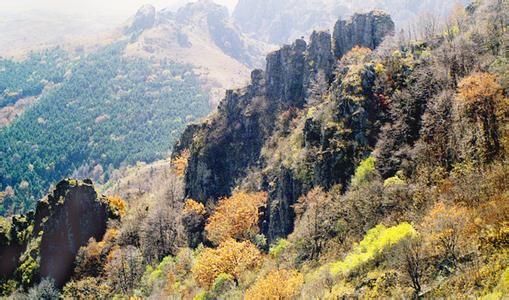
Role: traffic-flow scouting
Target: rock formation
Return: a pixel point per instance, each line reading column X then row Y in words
column 45, row 244
column 144, row 19
column 365, row 30
column 227, row 146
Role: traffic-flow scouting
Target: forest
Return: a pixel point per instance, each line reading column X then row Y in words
column 103, row 111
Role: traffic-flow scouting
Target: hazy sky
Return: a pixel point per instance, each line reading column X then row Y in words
column 103, row 7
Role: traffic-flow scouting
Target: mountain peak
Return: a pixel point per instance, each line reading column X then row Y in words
column 145, row 18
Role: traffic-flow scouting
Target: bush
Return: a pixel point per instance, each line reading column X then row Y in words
column 278, row 284
column 365, row 168
column 45, row 290
column 276, row 250
column 375, row 242
column 231, row 257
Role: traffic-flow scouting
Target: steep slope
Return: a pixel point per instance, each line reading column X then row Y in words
column 224, row 148
column 46, row 242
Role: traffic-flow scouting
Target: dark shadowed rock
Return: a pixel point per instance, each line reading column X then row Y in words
column 45, row 244
column 74, row 213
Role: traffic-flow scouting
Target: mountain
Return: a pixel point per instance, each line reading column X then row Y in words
column 219, row 153
column 277, row 22
column 358, row 163
column 89, row 109
column 93, row 112
column 200, row 34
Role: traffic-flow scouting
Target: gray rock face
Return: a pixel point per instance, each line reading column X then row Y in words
column 285, row 74
column 74, row 214
column 64, row 221
column 144, row 19
column 366, row 30
column 319, row 59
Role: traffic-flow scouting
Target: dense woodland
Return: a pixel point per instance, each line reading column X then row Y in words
column 390, row 180
column 103, row 111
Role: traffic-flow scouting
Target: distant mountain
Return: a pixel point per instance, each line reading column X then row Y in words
column 200, row 34
column 282, row 21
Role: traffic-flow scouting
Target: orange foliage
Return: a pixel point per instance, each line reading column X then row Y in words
column 236, row 217
column 118, row 204
column 180, row 163
column 192, row 206
column 479, row 88
column 278, row 284
column 446, row 229
column 231, row 257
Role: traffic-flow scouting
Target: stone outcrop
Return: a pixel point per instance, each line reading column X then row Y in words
column 49, row 240
column 366, row 30
column 228, row 145
column 74, row 213
column 144, row 19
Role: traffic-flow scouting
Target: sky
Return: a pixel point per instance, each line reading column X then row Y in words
column 119, row 8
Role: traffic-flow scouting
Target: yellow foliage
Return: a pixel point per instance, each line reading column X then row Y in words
column 117, row 203
column 357, row 55
column 193, row 206
column 180, row 163
column 231, row 257
column 278, row 284
column 235, row 217
column 479, row 88
column 374, row 243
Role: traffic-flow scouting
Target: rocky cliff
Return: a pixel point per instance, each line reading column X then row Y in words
column 45, row 244
column 225, row 148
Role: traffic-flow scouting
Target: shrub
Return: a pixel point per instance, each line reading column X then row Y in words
column 230, row 257
column 86, row 288
column 278, row 284
column 375, row 242
column 276, row 250
column 236, row 217
column 365, row 168
column 45, row 290
column 193, row 206
column 223, row 283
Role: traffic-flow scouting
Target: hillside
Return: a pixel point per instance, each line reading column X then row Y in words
column 104, row 111
column 200, row 34
column 86, row 110
column 356, row 164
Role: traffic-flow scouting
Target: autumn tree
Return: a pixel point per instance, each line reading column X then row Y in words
column 117, row 204
column 480, row 97
column 314, row 223
column 180, row 163
column 193, row 219
column 124, row 268
column 91, row 258
column 444, row 229
column 236, row 217
column 278, row 284
column 231, row 257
